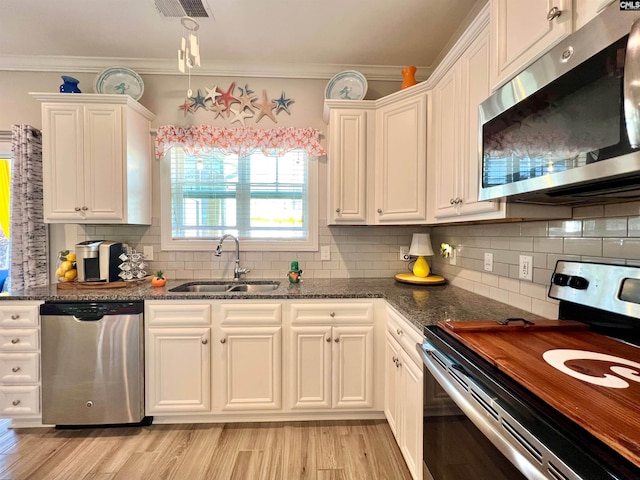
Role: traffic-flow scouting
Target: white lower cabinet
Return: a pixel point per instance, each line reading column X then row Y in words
column 20, row 362
column 178, row 358
column 331, row 356
column 404, row 391
column 332, row 367
column 247, row 360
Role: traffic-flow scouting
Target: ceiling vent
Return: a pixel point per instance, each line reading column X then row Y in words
column 181, row 8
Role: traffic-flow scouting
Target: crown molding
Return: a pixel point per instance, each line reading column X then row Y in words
column 158, row 66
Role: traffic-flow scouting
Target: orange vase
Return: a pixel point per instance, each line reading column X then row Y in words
column 409, row 77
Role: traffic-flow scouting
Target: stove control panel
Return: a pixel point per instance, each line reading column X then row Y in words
column 613, row 288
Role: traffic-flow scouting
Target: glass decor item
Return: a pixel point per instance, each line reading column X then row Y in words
column 70, row 85
column 409, row 77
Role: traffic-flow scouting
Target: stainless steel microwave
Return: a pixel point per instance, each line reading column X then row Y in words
column 566, row 130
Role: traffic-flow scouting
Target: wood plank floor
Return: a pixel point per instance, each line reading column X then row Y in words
column 257, row 451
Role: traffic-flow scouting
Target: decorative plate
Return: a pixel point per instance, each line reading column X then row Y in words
column 347, row 85
column 120, row 80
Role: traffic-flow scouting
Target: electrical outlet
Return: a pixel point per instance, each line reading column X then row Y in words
column 325, row 252
column 488, row 262
column 404, row 254
column 148, row 252
column 525, row 271
column 453, row 258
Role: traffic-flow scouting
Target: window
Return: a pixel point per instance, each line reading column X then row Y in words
column 268, row 202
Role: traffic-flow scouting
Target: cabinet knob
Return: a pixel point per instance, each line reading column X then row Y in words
column 398, row 364
column 328, row 339
column 15, row 369
column 332, row 314
column 380, row 211
column 337, row 340
column 15, row 403
column 337, row 210
column 223, row 340
column 85, row 209
column 77, row 209
column 394, row 359
column 451, row 201
column 399, row 332
column 205, row 341
column 15, row 316
column 555, row 12
column 15, row 340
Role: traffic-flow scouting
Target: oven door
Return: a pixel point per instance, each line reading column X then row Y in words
column 460, row 439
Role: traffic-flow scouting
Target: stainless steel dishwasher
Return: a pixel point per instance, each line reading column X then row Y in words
column 92, row 363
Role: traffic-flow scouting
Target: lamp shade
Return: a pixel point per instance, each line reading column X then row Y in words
column 421, row 245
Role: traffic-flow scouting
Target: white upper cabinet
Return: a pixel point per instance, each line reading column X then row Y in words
column 349, row 148
column 401, row 161
column 96, row 159
column 522, row 30
column 377, row 159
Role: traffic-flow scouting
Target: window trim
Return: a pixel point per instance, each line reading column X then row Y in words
column 170, row 244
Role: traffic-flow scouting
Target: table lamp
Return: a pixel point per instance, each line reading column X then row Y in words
column 421, row 247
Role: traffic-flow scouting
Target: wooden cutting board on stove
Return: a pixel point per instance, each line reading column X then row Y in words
column 513, row 324
column 609, row 413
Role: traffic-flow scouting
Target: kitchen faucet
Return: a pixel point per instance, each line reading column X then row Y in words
column 237, row 271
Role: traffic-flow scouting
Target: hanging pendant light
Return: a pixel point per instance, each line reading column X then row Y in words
column 189, row 52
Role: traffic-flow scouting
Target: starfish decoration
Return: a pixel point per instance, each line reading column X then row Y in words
column 187, row 107
column 212, row 94
column 246, row 99
column 266, row 108
column 240, row 115
column 217, row 109
column 227, row 97
column 282, row 103
column 198, row 101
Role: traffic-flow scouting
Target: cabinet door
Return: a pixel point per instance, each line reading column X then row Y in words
column 391, row 386
column 63, row 161
column 178, row 370
column 310, row 384
column 251, row 368
column 400, row 167
column 104, row 162
column 520, row 32
column 353, row 367
column 447, row 106
column 474, row 66
column 347, row 167
column 411, row 416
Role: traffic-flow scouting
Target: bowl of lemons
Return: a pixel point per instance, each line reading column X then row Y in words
column 66, row 271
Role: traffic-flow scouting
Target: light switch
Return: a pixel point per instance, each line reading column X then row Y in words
column 325, row 252
column 148, row 252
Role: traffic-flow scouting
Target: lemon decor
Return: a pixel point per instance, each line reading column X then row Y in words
column 66, row 267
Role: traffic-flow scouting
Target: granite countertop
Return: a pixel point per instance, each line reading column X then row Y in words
column 421, row 305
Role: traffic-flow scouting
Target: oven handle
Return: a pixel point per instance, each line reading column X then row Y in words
column 631, row 87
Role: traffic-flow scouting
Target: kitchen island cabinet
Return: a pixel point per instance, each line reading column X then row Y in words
column 96, row 157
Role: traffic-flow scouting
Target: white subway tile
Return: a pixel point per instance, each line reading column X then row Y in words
column 519, row 301
column 583, row 246
column 544, row 309
column 605, row 227
column 565, row 228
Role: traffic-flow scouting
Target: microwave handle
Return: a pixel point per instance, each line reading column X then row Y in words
column 631, row 87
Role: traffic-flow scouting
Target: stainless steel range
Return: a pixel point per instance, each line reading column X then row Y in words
column 514, row 398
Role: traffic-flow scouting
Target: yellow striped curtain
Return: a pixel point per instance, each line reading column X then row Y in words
column 5, row 196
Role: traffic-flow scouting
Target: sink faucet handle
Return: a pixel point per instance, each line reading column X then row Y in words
column 218, row 251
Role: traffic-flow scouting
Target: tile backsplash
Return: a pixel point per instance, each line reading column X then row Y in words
column 603, row 233
column 356, row 252
column 609, row 233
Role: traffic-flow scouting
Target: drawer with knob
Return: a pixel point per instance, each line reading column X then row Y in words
column 19, row 340
column 402, row 331
column 19, row 400
column 19, row 316
column 19, row 368
column 332, row 313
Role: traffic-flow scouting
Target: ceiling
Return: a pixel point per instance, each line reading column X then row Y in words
column 286, row 38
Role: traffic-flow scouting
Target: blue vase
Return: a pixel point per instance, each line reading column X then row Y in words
column 70, row 85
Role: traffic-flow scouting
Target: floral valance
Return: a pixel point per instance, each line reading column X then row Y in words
column 200, row 140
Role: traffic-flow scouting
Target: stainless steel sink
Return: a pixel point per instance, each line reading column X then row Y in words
column 224, row 287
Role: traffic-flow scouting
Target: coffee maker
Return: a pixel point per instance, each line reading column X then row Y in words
column 98, row 260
